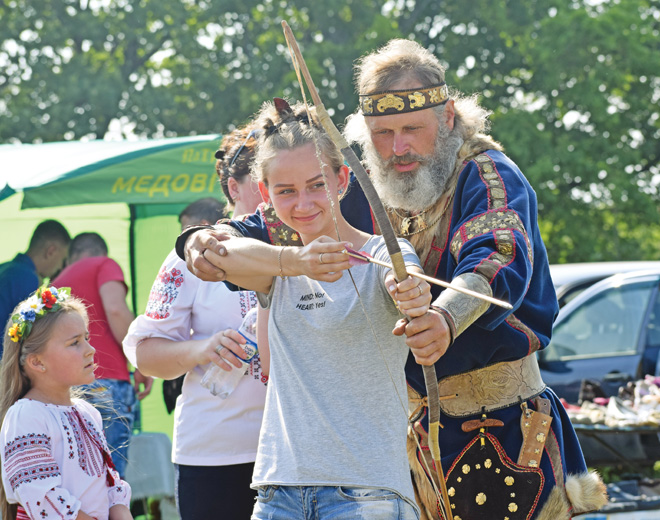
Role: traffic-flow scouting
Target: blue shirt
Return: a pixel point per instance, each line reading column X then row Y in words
column 18, row 279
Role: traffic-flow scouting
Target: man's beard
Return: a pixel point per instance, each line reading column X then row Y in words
column 416, row 190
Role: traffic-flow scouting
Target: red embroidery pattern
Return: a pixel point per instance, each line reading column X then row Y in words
column 29, row 458
column 89, row 455
column 248, row 300
column 163, row 293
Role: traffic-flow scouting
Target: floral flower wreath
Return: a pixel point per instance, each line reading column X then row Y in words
column 43, row 301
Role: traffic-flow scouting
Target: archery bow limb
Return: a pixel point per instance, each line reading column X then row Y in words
column 398, row 264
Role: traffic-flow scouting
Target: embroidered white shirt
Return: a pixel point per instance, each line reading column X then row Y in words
column 51, row 463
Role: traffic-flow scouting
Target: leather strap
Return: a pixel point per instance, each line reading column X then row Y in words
column 552, row 448
column 477, row 424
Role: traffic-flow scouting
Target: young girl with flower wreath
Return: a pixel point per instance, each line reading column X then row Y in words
column 55, row 460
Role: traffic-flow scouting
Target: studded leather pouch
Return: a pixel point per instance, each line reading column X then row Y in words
column 484, row 483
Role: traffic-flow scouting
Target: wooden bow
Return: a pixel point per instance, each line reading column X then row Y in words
column 391, row 243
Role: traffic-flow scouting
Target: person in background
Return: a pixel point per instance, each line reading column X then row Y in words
column 99, row 282
column 233, row 169
column 55, row 461
column 44, row 257
column 203, row 212
column 215, row 440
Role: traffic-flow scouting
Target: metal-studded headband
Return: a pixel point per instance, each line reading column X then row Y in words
column 401, row 101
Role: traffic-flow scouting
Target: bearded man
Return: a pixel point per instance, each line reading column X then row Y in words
column 508, row 447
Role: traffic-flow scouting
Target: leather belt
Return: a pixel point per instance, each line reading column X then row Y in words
column 486, row 389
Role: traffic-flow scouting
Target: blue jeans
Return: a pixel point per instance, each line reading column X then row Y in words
column 330, row 503
column 117, row 402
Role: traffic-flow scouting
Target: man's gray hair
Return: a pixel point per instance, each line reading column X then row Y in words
column 396, row 61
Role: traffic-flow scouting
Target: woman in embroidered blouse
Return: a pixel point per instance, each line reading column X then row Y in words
column 215, row 440
column 55, row 460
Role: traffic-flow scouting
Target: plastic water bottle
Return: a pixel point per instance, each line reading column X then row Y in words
column 219, row 381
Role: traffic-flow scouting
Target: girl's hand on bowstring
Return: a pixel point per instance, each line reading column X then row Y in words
column 322, row 259
column 412, row 295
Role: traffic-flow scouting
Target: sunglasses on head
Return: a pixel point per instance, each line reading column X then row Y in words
column 252, row 134
column 220, row 154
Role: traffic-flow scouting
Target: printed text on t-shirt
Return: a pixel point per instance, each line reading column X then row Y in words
column 307, row 302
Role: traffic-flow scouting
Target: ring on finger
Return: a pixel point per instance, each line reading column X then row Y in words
column 321, row 258
column 420, row 290
column 218, row 349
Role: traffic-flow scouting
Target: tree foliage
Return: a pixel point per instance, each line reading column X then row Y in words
column 573, row 85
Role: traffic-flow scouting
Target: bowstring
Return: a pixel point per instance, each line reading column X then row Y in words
column 425, row 464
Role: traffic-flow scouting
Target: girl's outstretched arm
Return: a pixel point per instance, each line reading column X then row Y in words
column 252, row 264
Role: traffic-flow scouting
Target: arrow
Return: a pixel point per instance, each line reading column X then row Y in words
column 435, row 281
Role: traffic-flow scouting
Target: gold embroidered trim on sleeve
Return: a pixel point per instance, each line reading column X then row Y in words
column 280, row 234
column 534, row 341
column 501, row 222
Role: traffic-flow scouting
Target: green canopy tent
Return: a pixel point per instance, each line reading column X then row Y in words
column 130, row 192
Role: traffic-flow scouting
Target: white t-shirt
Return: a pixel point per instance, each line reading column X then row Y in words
column 208, row 431
column 52, row 464
column 336, row 409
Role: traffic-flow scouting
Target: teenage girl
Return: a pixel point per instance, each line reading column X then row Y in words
column 333, row 438
column 55, row 460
